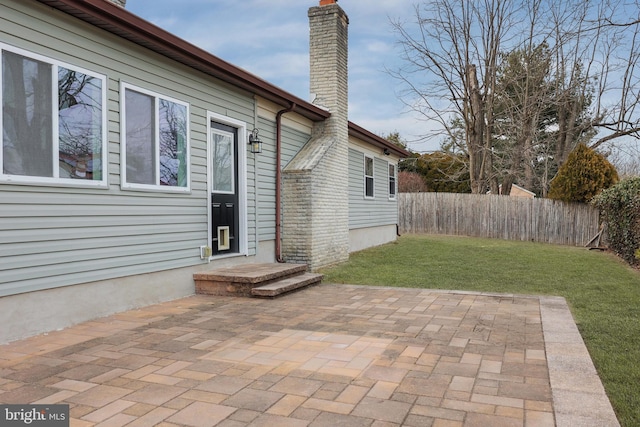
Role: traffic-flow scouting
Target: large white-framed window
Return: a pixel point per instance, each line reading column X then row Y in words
column 369, row 178
column 392, row 181
column 155, row 141
column 53, row 121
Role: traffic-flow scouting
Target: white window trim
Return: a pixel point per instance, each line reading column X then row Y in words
column 56, row 181
column 243, row 229
column 373, row 177
column 123, row 143
column 393, row 196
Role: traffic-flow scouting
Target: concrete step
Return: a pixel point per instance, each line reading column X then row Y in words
column 239, row 280
column 286, row 285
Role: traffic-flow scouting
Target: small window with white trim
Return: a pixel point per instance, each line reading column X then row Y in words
column 155, row 142
column 369, row 181
column 392, row 181
column 53, row 121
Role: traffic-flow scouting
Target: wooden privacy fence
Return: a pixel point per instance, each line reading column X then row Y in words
column 499, row 217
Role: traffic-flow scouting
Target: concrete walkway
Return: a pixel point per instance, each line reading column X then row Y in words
column 330, row 355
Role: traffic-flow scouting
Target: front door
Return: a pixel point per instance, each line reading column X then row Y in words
column 225, row 219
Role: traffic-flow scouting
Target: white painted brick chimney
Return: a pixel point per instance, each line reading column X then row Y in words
column 315, row 227
column 328, row 55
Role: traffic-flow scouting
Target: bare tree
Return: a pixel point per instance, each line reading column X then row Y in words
column 619, row 88
column 625, row 158
column 589, row 81
column 595, row 75
column 451, row 68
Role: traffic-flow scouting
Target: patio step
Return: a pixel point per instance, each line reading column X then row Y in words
column 286, row 285
column 241, row 280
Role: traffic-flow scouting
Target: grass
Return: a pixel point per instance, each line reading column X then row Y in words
column 603, row 292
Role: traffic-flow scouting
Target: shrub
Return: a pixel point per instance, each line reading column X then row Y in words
column 620, row 210
column 411, row 182
column 446, row 172
column 584, row 175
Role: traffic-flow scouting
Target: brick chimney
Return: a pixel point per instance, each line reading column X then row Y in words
column 315, row 182
column 328, row 56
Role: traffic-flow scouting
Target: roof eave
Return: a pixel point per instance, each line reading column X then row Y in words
column 373, row 139
column 117, row 20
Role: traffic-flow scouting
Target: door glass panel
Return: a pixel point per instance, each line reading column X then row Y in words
column 223, row 161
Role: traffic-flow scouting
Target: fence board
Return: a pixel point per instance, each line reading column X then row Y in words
column 499, row 217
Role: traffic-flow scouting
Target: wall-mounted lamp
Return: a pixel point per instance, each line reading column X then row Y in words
column 386, row 152
column 254, row 142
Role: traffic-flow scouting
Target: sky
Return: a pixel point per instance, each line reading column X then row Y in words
column 270, row 38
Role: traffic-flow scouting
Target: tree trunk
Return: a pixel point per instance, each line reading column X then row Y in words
column 474, row 123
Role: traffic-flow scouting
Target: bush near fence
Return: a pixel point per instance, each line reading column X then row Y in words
column 498, row 217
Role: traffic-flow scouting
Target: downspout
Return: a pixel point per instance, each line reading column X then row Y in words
column 279, row 180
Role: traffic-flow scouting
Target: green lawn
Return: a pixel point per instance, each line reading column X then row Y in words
column 603, row 292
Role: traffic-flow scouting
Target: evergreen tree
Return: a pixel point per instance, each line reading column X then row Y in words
column 585, row 174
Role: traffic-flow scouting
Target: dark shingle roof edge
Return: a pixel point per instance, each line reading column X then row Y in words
column 119, row 21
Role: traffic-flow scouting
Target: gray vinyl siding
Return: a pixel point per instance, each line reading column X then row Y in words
column 52, row 236
column 366, row 212
column 266, row 180
column 292, row 141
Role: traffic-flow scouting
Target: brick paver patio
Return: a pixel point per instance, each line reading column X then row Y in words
column 330, row 355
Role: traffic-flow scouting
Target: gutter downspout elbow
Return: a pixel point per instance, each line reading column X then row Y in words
column 279, row 180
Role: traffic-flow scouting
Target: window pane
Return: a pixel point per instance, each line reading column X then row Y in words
column 392, row 180
column 27, row 134
column 140, row 136
column 368, row 177
column 80, row 125
column 368, row 166
column 173, row 151
column 369, row 187
column 223, row 162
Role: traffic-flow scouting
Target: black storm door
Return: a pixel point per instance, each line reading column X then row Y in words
column 224, row 190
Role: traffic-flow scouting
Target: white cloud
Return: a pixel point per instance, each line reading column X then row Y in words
column 269, row 38
column 278, row 66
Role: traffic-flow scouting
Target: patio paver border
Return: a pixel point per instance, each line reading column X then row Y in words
column 579, row 398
